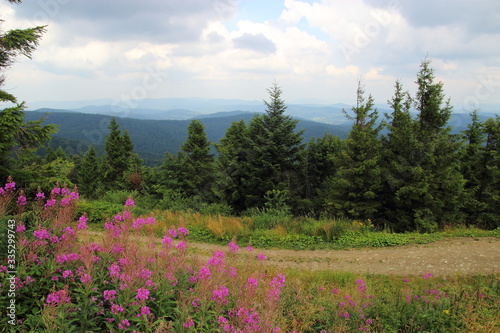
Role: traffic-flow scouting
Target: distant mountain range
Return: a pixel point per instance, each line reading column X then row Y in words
column 156, row 130
column 152, row 137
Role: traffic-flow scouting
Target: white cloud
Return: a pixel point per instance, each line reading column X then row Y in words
column 316, row 49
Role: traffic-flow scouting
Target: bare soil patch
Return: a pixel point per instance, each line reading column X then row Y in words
column 450, row 256
column 447, row 257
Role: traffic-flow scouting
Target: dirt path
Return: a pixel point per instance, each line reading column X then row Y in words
column 469, row 256
column 446, row 257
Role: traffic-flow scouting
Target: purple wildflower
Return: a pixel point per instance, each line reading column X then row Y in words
column 142, row 294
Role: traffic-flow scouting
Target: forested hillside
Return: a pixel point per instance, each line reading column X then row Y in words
column 152, row 138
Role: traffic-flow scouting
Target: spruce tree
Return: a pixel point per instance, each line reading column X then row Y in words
column 441, row 182
column 88, row 173
column 196, row 162
column 319, row 164
column 231, row 165
column 273, row 159
column 474, row 169
column 16, row 135
column 490, row 193
column 118, row 152
column 354, row 191
column 403, row 180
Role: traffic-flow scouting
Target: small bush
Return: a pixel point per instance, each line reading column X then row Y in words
column 98, row 211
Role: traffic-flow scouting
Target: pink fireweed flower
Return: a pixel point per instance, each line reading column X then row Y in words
column 151, row 220
column 85, row 278
column 361, row 285
column 74, row 195
column 261, row 257
column 427, row 276
column 41, row 234
column 21, row 201
column 144, row 311
column 82, row 222
column 196, row 303
column 220, row 295
column 167, row 241
column 124, row 261
column 233, row 247
column 138, row 223
column 68, row 233
column 204, row 273
column 183, row 231
column 56, row 191
column 65, row 202
column 181, row 246
column 277, row 283
column 252, row 283
column 50, row 203
column 58, row 297
column 118, row 218
column 172, row 233
column 67, row 273
column 233, row 272
column 217, row 260
column 10, row 186
column 117, row 308
column 117, row 248
column 129, row 202
column 124, row 324
column 52, row 299
column 145, row 274
column 109, row 295
column 20, row 228
column 142, row 294
column 188, row 323
column 114, row 270
column 28, row 280
column 62, row 258
column 2, row 192
column 249, row 248
column 40, row 196
column 95, row 247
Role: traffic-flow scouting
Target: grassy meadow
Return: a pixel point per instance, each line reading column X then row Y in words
column 134, row 271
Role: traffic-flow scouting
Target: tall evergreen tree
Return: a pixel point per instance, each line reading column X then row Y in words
column 273, row 160
column 15, row 134
column 490, row 193
column 88, row 173
column 319, row 164
column 354, row 191
column 442, row 184
column 118, row 151
column 196, row 162
column 231, row 165
column 403, row 180
column 474, row 169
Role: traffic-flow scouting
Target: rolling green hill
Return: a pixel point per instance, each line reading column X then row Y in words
column 151, row 138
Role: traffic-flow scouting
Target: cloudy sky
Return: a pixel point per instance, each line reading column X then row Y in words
column 315, row 50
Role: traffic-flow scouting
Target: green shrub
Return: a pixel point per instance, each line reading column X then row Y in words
column 266, row 219
column 119, row 197
column 380, row 239
column 98, row 211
